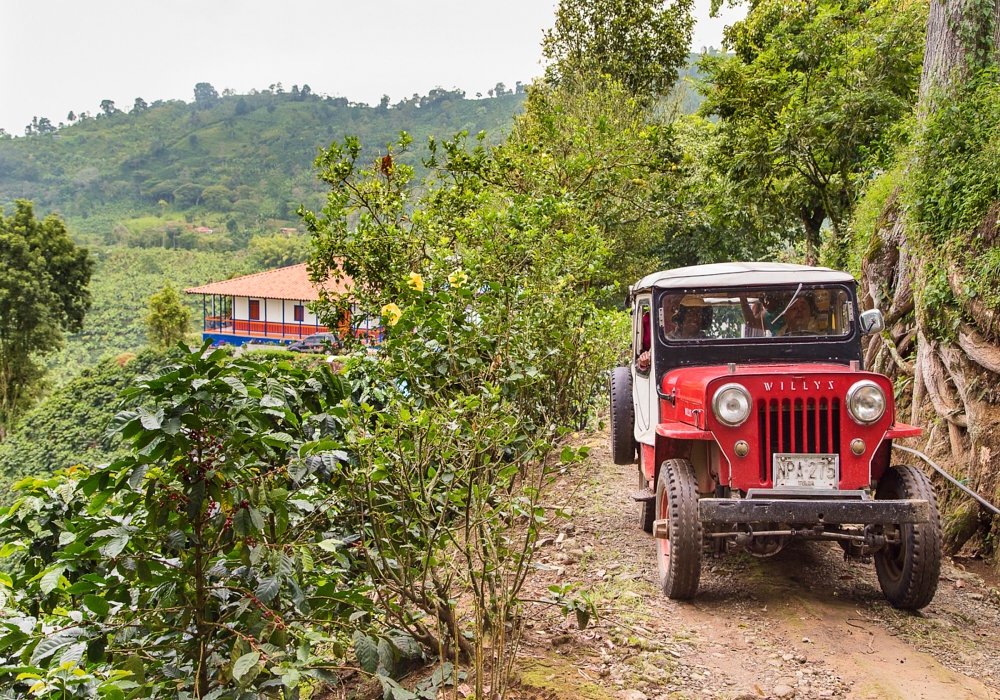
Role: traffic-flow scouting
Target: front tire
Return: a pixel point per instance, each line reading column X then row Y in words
column 622, row 416
column 908, row 571
column 678, row 556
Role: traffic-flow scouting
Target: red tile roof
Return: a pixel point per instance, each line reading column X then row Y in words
column 284, row 283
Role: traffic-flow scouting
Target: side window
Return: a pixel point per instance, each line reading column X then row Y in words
column 642, row 336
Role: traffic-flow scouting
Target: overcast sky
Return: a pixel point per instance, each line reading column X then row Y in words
column 69, row 55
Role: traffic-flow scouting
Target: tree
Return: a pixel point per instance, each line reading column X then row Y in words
column 43, row 292
column 139, row 106
column 71, row 117
column 929, row 252
column 809, row 102
column 242, row 107
column 268, row 252
column 205, row 95
column 169, row 320
column 108, row 107
column 45, row 126
column 217, row 197
column 640, row 43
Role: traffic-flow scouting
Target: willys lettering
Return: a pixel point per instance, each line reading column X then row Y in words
column 801, row 385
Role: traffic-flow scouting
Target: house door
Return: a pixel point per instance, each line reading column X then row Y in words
column 643, row 374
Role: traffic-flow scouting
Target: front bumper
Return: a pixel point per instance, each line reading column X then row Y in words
column 812, row 512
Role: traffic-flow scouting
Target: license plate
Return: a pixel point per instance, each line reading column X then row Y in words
column 806, row 471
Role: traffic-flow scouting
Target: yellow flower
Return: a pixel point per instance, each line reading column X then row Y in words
column 391, row 313
column 415, row 281
column 458, row 278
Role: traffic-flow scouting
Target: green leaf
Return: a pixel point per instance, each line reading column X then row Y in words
column 242, row 524
column 151, row 421
column 135, row 665
column 135, row 478
column 366, row 651
column 196, row 497
column 386, row 656
column 244, row 664
column 308, row 562
column 97, row 604
column 257, row 519
column 50, row 645
column 267, row 589
column 50, row 580
column 114, row 546
column 330, row 545
column 238, row 386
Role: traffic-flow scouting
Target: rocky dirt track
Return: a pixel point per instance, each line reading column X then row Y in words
column 802, row 624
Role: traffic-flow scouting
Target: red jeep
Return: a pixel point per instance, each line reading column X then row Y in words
column 754, row 423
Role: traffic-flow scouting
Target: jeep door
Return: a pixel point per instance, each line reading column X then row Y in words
column 644, row 397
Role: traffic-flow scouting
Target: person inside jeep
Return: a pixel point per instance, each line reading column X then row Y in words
column 691, row 322
column 799, row 317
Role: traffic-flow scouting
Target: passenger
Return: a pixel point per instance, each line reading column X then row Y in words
column 643, row 361
column 799, row 317
column 772, row 304
column 692, row 322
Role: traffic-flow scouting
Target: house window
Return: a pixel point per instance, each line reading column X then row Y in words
column 300, row 313
column 254, row 310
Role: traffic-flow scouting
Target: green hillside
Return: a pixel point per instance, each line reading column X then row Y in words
column 70, row 426
column 123, row 281
column 239, row 164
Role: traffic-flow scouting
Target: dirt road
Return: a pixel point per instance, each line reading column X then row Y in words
column 802, row 624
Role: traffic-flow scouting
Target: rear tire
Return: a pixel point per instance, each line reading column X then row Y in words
column 908, row 572
column 678, row 557
column 622, row 416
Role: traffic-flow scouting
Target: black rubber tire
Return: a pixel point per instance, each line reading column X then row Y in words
column 647, row 509
column 622, row 416
column 678, row 557
column 908, row 572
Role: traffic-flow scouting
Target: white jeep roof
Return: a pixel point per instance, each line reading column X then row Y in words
column 740, row 274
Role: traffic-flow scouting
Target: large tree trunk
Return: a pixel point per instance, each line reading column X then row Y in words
column 949, row 394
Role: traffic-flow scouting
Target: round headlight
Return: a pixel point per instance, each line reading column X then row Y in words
column 731, row 404
column 866, row 402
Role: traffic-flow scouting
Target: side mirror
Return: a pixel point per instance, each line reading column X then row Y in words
column 871, row 322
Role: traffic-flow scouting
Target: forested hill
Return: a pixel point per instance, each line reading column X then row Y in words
column 233, row 161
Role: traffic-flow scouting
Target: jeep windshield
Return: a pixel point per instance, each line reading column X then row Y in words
column 795, row 314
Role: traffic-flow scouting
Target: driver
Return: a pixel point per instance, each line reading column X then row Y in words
column 799, row 317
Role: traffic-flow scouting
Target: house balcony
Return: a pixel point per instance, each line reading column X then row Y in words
column 240, row 331
column 229, row 329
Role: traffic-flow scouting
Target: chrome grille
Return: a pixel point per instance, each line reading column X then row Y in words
column 809, row 425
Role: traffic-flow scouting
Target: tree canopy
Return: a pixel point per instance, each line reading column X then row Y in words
column 641, row 44
column 809, row 103
column 43, row 292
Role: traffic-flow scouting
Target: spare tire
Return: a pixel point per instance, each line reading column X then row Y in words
column 622, row 416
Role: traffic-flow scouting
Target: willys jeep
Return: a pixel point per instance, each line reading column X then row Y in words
column 753, row 423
